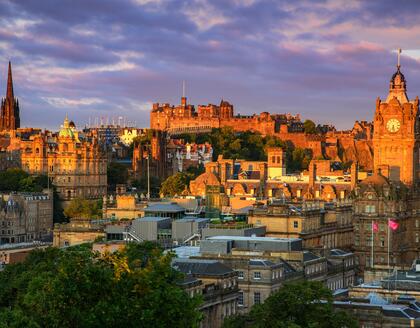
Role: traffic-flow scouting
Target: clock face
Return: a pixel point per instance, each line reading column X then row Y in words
column 393, row 125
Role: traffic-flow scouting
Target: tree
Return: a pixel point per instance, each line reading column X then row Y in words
column 117, row 174
column 299, row 159
column 15, row 179
column 175, row 184
column 309, row 127
column 75, row 287
column 80, row 207
column 299, row 304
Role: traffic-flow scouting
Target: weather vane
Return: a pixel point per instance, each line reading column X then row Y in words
column 399, row 55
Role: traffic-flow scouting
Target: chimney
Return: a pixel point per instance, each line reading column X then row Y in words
column 312, row 174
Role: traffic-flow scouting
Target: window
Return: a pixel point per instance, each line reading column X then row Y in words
column 295, row 224
column 257, row 275
column 240, row 275
column 417, row 237
column 257, row 298
column 370, row 209
column 241, row 299
column 417, row 223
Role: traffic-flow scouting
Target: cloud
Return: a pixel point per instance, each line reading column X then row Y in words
column 65, row 102
column 326, row 59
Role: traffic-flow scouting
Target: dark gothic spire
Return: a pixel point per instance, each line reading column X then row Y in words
column 9, row 92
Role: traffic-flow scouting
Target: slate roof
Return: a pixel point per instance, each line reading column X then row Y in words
column 198, row 267
column 262, row 262
column 308, row 256
column 339, row 252
column 164, row 207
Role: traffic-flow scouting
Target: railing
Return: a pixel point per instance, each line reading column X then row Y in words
column 237, row 226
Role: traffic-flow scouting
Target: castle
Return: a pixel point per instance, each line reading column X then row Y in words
column 9, row 114
column 347, row 146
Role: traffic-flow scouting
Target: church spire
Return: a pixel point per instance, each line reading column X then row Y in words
column 9, row 92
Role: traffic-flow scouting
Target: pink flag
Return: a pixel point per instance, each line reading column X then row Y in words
column 375, row 226
column 393, row 224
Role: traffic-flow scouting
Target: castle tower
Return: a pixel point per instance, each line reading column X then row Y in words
column 396, row 136
column 9, row 113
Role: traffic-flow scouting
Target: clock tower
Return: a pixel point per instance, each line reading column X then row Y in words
column 396, row 137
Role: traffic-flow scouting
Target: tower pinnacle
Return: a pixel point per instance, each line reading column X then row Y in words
column 9, row 92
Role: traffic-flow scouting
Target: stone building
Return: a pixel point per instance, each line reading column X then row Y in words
column 151, row 157
column 74, row 162
column 77, row 231
column 9, row 159
column 26, row 217
column 9, row 109
column 218, row 286
column 319, row 225
column 124, row 206
column 270, row 179
column 264, row 264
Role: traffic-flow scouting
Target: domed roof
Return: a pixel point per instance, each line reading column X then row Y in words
column 66, row 131
column 376, row 179
column 398, row 72
column 208, row 178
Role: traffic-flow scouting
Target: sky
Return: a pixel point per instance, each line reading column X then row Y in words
column 327, row 60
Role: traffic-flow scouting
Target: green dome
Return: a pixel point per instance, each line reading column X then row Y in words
column 66, row 130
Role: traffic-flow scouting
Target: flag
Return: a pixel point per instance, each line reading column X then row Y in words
column 375, row 226
column 393, row 224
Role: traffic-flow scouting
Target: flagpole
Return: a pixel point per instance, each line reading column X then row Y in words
column 388, row 243
column 389, row 273
column 371, row 252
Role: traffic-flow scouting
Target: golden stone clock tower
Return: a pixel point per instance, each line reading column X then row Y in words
column 396, row 136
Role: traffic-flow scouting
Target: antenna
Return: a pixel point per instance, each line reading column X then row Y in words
column 399, row 55
column 183, row 88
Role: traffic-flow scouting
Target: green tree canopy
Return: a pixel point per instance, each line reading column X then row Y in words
column 80, row 207
column 75, row 287
column 299, row 159
column 175, row 184
column 299, row 304
column 251, row 146
column 117, row 174
column 309, row 127
column 15, row 179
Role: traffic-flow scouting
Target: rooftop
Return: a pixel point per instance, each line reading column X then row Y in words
column 274, row 239
column 201, row 267
column 164, row 207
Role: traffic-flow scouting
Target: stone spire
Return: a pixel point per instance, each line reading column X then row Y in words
column 9, row 114
column 9, row 92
